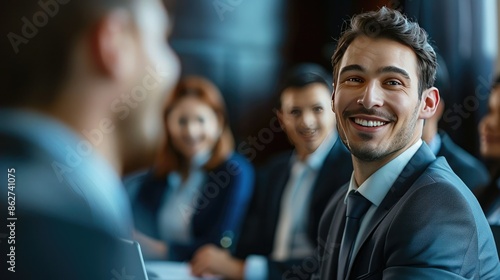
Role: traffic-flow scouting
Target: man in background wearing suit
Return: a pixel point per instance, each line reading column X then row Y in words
column 83, row 84
column 468, row 168
column 404, row 214
column 292, row 190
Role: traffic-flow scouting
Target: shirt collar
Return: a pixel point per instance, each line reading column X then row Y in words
column 316, row 158
column 375, row 188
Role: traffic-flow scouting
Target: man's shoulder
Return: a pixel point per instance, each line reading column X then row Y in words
column 59, row 185
column 440, row 171
column 279, row 158
column 440, row 175
column 439, row 187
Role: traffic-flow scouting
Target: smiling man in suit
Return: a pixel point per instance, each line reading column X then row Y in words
column 404, row 214
column 291, row 190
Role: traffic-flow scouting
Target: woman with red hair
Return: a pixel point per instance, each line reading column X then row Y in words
column 199, row 189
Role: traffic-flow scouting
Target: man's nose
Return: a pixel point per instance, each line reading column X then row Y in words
column 372, row 96
column 308, row 119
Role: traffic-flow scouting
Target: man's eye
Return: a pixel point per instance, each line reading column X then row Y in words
column 354, row 80
column 394, row 83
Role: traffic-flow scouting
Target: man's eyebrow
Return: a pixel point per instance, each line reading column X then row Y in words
column 394, row 69
column 352, row 67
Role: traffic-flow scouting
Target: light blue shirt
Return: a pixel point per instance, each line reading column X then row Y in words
column 295, row 204
column 75, row 164
column 376, row 187
column 176, row 211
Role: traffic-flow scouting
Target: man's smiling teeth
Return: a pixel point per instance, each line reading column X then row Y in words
column 368, row 123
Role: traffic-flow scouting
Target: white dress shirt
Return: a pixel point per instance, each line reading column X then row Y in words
column 177, row 209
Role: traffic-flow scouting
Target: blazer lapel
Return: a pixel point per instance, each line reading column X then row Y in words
column 331, row 249
column 415, row 167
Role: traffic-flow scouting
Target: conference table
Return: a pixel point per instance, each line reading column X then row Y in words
column 165, row 270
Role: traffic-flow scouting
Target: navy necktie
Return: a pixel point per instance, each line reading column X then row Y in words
column 357, row 205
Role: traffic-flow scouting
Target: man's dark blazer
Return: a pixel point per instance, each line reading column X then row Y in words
column 466, row 166
column 262, row 220
column 429, row 226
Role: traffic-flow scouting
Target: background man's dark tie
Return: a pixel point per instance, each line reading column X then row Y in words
column 357, row 205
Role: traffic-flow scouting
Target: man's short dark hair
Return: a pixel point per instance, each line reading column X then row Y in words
column 38, row 38
column 303, row 75
column 391, row 24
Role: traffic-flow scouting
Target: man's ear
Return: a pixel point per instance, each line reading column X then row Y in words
column 429, row 103
column 113, row 49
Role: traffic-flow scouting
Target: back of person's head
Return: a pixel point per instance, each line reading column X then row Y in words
column 206, row 92
column 391, row 24
column 39, row 37
column 303, row 75
column 86, row 63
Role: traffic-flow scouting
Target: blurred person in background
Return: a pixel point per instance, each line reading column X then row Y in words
column 80, row 87
column 471, row 170
column 292, row 189
column 198, row 191
column 489, row 131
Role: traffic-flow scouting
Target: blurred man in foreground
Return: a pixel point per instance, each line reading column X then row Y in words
column 83, row 85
